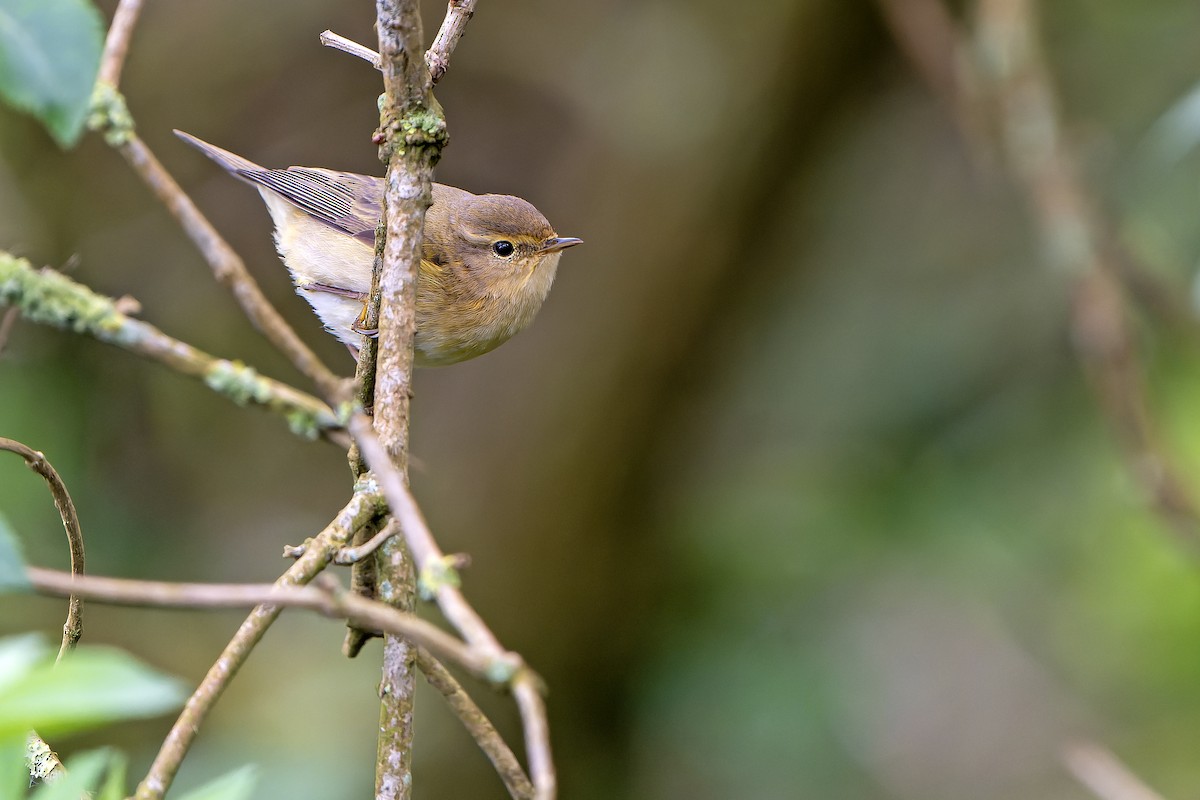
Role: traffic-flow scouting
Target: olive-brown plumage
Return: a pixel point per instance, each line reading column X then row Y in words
column 487, row 260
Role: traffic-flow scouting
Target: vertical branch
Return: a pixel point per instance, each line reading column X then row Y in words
column 413, row 133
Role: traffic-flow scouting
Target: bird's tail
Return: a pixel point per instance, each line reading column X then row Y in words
column 231, row 163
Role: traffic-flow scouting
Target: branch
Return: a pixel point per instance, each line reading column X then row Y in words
column 116, row 45
column 413, row 134
column 50, row 298
column 326, row 598
column 478, row 725
column 35, row 460
column 437, row 58
column 1104, row 774
column 339, row 42
column 440, row 581
column 454, row 25
column 363, row 507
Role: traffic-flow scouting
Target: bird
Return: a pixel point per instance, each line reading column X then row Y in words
column 487, row 260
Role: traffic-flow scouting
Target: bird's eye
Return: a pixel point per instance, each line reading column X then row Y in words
column 503, row 248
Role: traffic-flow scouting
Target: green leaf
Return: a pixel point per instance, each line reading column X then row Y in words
column 114, row 784
column 12, row 565
column 91, row 687
column 49, row 56
column 18, row 656
column 82, row 774
column 14, row 777
column 236, row 785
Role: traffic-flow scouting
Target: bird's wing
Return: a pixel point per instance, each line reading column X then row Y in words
column 343, row 200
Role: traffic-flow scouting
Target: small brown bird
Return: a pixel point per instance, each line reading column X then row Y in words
column 487, row 263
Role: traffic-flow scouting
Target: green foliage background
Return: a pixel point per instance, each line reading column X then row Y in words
column 795, row 489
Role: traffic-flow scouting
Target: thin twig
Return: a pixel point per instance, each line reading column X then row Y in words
column 477, row 724
column 363, row 506
column 428, row 557
column 47, row 297
column 353, row 555
column 339, row 42
column 1103, row 773
column 44, row 764
column 116, row 45
column 1076, row 241
column 934, row 42
column 326, row 598
column 36, row 461
column 454, row 25
column 434, row 567
column 437, row 58
column 527, row 689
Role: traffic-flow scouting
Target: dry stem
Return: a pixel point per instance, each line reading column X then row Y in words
column 477, row 724
column 36, row 461
column 116, row 45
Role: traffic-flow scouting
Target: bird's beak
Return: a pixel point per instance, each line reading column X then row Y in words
column 559, row 243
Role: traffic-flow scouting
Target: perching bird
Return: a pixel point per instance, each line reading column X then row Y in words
column 487, row 260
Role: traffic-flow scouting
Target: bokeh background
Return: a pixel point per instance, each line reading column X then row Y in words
column 795, row 489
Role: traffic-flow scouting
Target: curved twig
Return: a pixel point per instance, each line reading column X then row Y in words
column 477, row 724
column 36, row 461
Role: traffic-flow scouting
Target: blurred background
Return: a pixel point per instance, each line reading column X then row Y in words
column 796, row 488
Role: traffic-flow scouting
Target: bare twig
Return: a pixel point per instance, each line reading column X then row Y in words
column 326, row 598
column 1076, row 241
column 934, row 42
column 454, row 25
column 339, row 42
column 47, row 297
column 1104, row 775
column 36, row 461
column 527, row 689
column 363, row 506
column 437, row 58
column 439, row 580
column 352, row 555
column 116, row 46
column 477, row 724
column 43, row 762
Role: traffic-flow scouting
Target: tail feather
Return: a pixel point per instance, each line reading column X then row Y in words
column 234, row 164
